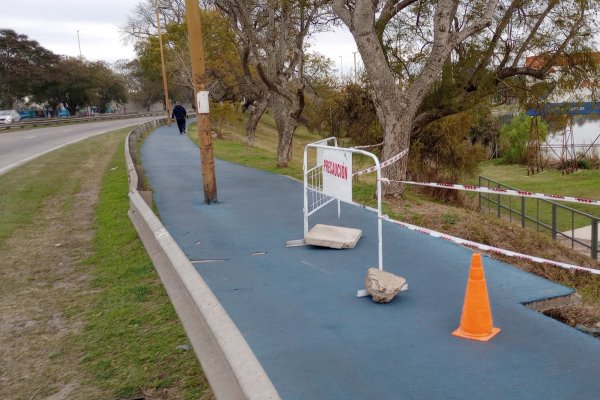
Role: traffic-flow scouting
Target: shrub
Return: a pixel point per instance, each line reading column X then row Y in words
column 515, row 135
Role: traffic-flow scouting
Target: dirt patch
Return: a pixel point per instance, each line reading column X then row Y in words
column 43, row 292
column 64, row 393
column 577, row 315
column 468, row 223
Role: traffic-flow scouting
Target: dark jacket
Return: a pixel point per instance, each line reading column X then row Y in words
column 179, row 112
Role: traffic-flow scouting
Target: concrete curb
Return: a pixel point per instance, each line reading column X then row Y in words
column 228, row 362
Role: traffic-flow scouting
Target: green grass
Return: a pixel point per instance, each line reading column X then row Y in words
column 24, row 191
column 132, row 330
column 254, row 157
column 262, row 155
column 585, row 183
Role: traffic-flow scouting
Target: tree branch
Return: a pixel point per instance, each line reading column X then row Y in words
column 483, row 22
column 525, row 44
column 489, row 52
column 541, row 73
column 390, row 9
column 342, row 12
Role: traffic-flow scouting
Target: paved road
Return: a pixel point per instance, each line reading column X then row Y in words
column 296, row 307
column 19, row 147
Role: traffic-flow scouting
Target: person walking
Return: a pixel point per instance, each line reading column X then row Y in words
column 179, row 114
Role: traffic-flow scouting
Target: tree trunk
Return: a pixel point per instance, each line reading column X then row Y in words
column 396, row 139
column 397, row 105
column 395, row 113
column 286, row 124
column 255, row 115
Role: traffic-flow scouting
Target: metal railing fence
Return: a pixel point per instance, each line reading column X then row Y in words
column 545, row 216
column 37, row 122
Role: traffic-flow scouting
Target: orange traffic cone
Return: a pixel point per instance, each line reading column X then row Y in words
column 476, row 322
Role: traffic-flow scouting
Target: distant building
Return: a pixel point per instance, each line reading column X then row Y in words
column 562, row 60
column 586, row 90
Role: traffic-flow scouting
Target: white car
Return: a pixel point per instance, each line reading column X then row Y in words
column 9, row 116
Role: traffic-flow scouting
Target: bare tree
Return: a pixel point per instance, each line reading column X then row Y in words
column 255, row 90
column 275, row 32
column 141, row 28
column 141, row 23
column 406, row 44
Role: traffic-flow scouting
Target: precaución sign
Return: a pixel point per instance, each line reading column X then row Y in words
column 337, row 174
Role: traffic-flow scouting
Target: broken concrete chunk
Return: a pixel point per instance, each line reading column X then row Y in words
column 383, row 286
column 336, row 237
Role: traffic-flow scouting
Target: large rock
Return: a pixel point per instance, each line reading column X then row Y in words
column 382, row 285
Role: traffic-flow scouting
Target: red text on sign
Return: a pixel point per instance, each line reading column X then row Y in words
column 336, row 169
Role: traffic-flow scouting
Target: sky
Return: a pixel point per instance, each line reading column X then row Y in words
column 64, row 25
column 55, row 24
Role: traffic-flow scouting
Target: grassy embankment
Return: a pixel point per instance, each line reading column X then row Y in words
column 584, row 183
column 425, row 211
column 232, row 147
column 84, row 313
column 132, row 315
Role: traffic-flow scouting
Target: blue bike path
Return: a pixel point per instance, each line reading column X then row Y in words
column 297, row 310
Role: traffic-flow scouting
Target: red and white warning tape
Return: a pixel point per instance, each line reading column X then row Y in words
column 384, row 164
column 369, row 146
column 473, row 188
column 510, row 192
column 483, row 247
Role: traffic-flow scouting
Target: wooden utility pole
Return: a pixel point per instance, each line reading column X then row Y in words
column 162, row 62
column 202, row 107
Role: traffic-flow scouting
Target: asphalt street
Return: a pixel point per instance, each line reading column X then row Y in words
column 19, row 147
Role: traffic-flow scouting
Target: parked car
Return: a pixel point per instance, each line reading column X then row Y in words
column 27, row 114
column 64, row 113
column 9, row 116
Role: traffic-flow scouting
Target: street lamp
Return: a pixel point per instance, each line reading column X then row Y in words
column 355, row 75
column 162, row 62
column 79, row 42
column 202, row 107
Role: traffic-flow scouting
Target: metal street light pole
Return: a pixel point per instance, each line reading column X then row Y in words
column 341, row 72
column 202, row 106
column 79, row 43
column 355, row 76
column 164, row 70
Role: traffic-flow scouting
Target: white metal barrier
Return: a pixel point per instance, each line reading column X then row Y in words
column 313, row 181
column 317, row 176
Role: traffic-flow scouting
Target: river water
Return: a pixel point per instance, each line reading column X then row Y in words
column 586, row 129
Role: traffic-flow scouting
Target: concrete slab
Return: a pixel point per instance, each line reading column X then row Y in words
column 335, row 237
column 583, row 233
